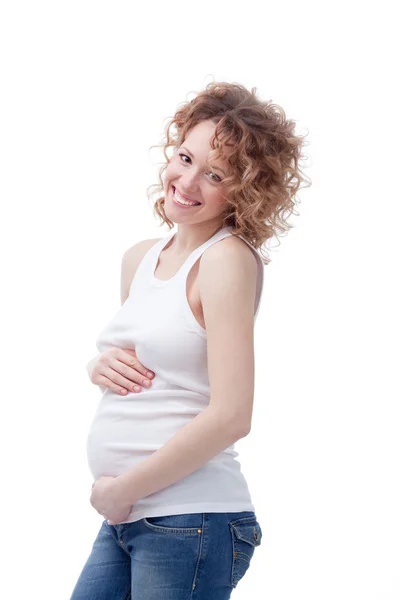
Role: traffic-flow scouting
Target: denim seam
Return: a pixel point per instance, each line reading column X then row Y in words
column 233, row 557
column 199, row 556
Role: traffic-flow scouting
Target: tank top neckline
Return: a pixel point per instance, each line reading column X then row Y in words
column 155, row 281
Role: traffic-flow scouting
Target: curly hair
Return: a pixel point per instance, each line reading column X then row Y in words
column 264, row 155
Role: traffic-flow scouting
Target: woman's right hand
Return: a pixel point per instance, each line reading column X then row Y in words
column 120, row 371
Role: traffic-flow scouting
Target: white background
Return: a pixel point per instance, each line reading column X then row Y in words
column 86, row 88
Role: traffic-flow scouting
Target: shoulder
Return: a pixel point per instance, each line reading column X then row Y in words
column 228, row 267
column 130, row 262
column 138, row 250
column 231, row 251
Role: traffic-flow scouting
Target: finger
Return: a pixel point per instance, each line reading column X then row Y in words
column 133, row 362
column 107, row 382
column 128, row 375
column 119, row 382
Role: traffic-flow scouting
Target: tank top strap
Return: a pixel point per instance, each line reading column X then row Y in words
column 146, row 267
column 221, row 234
column 195, row 255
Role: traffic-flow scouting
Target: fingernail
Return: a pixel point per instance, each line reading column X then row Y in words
column 149, row 374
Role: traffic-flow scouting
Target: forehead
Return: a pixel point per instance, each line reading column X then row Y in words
column 201, row 134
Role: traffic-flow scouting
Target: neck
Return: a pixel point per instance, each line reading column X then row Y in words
column 188, row 238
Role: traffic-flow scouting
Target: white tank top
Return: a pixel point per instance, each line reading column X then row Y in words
column 157, row 322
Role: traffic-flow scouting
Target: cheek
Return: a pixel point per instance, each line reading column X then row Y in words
column 171, row 172
column 216, row 198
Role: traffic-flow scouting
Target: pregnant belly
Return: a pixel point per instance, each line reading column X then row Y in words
column 126, row 430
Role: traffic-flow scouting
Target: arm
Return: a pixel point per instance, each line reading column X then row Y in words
column 227, row 280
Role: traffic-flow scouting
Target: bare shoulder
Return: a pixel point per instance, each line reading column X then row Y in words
column 230, row 251
column 228, row 267
column 130, row 262
column 137, row 251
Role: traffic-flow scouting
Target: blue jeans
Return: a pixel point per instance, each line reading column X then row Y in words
column 198, row 556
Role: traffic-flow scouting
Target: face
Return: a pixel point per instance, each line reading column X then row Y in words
column 192, row 176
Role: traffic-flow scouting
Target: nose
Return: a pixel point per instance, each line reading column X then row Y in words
column 189, row 181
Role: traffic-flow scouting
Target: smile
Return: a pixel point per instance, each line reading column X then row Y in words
column 181, row 201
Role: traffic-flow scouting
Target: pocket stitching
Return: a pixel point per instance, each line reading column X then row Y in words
column 238, row 539
column 255, row 539
column 163, row 529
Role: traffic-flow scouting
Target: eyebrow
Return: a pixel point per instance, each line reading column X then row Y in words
column 215, row 168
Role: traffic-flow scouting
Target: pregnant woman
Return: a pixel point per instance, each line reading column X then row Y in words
column 179, row 522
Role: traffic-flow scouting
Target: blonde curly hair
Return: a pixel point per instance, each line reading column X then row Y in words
column 264, row 158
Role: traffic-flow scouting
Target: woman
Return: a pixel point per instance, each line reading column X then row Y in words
column 178, row 514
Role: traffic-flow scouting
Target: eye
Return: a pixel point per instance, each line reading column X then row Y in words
column 217, row 176
column 217, row 180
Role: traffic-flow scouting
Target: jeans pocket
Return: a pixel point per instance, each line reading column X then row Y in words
column 246, row 536
column 181, row 523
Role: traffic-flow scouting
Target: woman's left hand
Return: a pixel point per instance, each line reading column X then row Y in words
column 108, row 500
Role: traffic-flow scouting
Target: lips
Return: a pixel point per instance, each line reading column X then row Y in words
column 185, row 197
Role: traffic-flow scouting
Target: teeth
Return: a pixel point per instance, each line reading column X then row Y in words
column 182, row 201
